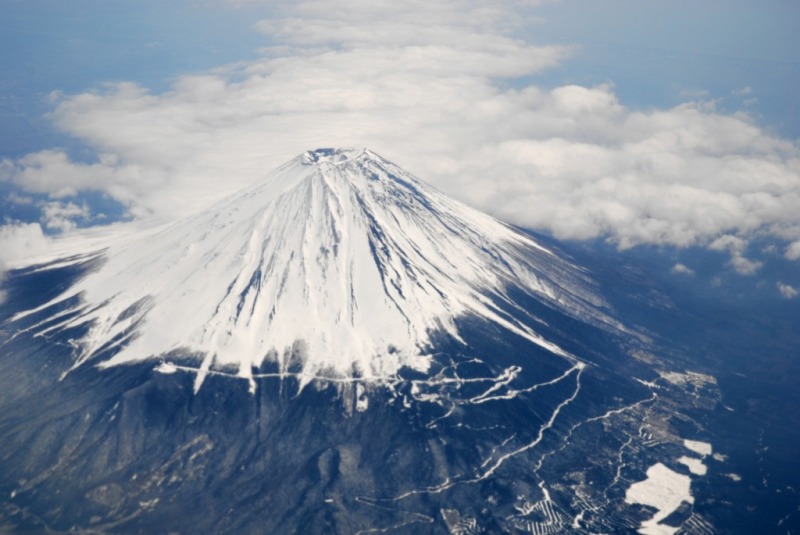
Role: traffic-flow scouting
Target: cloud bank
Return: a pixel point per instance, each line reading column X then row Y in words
column 447, row 91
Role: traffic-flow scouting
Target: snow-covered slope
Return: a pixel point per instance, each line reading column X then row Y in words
column 338, row 258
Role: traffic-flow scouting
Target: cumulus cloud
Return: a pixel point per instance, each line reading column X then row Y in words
column 19, row 241
column 445, row 90
column 793, row 251
column 680, row 269
column 787, row 291
column 736, row 246
column 59, row 216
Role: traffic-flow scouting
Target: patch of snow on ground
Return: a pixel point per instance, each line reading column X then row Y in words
column 664, row 490
column 695, row 466
column 703, row 448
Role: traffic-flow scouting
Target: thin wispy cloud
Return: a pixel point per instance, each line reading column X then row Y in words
column 448, row 91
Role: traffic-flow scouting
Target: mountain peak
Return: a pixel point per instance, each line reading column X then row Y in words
column 332, row 155
column 343, row 270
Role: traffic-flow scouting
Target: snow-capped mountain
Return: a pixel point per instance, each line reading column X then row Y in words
column 339, row 260
column 341, row 348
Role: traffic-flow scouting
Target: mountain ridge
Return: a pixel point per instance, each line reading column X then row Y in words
column 339, row 259
column 343, row 349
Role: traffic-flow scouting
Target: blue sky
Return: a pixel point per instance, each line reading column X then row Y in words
column 641, row 123
column 658, row 53
column 51, row 45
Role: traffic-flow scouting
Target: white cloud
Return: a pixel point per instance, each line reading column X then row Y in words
column 787, row 291
column 61, row 216
column 438, row 89
column 17, row 242
column 21, row 240
column 793, row 250
column 680, row 269
column 736, row 246
column 21, row 200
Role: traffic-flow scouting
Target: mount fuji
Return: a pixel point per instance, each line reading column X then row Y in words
column 341, row 348
column 339, row 260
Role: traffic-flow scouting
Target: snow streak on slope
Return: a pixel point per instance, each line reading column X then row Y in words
column 339, row 259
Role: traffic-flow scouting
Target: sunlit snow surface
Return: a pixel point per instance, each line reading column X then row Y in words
column 664, row 490
column 338, row 264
